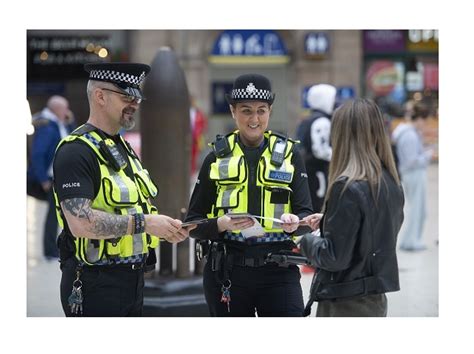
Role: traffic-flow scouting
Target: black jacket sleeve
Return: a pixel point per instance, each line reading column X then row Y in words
column 202, row 200
column 333, row 251
column 301, row 199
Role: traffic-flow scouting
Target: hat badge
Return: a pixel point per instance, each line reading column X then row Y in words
column 250, row 88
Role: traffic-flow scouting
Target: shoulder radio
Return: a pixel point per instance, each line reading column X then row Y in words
column 111, row 153
column 278, row 153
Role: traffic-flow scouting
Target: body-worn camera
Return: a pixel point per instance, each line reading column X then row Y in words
column 221, row 146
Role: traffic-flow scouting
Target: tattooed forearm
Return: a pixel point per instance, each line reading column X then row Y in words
column 79, row 207
column 105, row 224
column 99, row 224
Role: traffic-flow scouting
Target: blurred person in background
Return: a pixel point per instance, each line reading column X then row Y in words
column 355, row 254
column 314, row 133
column 198, row 123
column 413, row 160
column 52, row 124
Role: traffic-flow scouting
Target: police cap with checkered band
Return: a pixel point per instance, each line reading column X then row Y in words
column 251, row 87
column 126, row 76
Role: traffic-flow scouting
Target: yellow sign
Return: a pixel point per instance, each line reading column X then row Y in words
column 423, row 40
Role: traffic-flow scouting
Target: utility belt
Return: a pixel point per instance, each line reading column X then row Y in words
column 221, row 256
column 115, row 267
column 129, row 266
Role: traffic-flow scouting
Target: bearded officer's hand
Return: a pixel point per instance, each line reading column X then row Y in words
column 165, row 227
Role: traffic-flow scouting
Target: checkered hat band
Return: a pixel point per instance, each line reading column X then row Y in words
column 239, row 94
column 111, row 75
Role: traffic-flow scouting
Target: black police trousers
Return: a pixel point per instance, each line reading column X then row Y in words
column 266, row 291
column 107, row 291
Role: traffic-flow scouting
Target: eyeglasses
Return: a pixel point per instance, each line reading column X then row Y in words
column 128, row 98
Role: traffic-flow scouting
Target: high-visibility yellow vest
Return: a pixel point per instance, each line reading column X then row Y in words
column 230, row 174
column 118, row 194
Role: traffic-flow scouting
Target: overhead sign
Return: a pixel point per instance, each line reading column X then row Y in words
column 61, row 57
column 423, row 40
column 384, row 41
column 249, row 47
column 316, row 45
column 385, row 78
column 344, row 93
column 219, row 103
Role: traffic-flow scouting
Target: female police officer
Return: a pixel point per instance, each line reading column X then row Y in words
column 252, row 171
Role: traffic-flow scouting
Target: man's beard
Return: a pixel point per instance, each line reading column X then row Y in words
column 127, row 121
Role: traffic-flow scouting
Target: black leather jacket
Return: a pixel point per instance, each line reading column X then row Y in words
column 356, row 253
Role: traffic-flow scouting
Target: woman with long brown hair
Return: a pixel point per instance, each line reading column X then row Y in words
column 355, row 253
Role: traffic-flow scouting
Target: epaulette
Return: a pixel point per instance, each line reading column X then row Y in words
column 283, row 136
column 83, row 129
column 130, row 149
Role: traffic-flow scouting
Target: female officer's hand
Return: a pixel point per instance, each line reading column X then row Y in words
column 226, row 223
column 290, row 222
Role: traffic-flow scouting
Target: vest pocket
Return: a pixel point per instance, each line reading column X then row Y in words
column 228, row 197
column 117, row 191
column 276, row 203
column 113, row 246
column 229, row 170
column 91, row 251
column 270, row 174
column 279, row 195
column 152, row 240
column 147, row 186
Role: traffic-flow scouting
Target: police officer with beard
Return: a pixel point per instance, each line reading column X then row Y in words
column 250, row 171
column 103, row 199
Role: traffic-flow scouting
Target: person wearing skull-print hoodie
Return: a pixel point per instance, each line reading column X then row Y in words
column 315, row 146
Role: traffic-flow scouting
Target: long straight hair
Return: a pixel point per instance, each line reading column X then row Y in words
column 361, row 147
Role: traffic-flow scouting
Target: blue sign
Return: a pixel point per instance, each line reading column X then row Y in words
column 219, row 103
column 45, row 88
column 262, row 46
column 316, row 44
column 344, row 93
